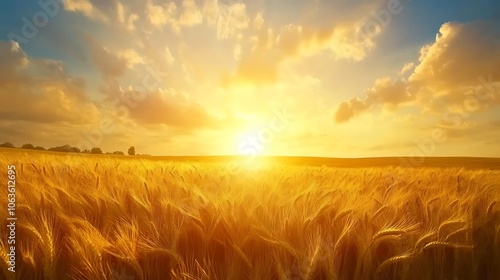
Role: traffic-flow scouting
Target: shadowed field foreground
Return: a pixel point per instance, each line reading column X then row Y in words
column 114, row 218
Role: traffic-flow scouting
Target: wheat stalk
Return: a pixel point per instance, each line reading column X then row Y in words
column 313, row 262
column 347, row 229
column 49, row 253
column 242, row 255
column 380, row 210
column 491, row 207
column 454, row 203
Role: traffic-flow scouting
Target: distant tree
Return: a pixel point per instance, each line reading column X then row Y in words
column 118, row 153
column 65, row 149
column 86, row 151
column 96, row 151
column 28, row 146
column 7, row 145
column 40, row 148
column 131, row 151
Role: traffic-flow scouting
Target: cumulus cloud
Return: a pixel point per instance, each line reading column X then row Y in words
column 343, row 36
column 343, row 33
column 385, row 92
column 227, row 18
column 13, row 60
column 162, row 14
column 461, row 53
column 167, row 107
column 231, row 19
column 258, row 21
column 109, row 63
column 126, row 18
column 173, row 110
column 40, row 90
column 407, row 68
column 186, row 15
column 132, row 57
column 350, row 109
column 85, row 7
column 191, row 13
column 460, row 67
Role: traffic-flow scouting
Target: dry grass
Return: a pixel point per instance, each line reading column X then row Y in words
column 89, row 217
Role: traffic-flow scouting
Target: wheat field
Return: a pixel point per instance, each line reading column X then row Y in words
column 105, row 217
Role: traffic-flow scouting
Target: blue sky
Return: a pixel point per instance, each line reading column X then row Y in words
column 204, row 77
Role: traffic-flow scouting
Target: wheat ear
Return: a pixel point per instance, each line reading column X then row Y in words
column 439, row 244
column 393, row 260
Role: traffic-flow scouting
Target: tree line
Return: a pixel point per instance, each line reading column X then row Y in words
column 68, row 149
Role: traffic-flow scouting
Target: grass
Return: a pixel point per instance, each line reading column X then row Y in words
column 111, row 217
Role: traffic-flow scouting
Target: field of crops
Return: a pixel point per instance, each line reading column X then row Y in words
column 103, row 217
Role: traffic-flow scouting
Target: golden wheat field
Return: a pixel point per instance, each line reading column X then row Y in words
column 104, row 217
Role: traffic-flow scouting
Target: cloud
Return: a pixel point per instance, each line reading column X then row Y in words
column 461, row 53
column 344, row 37
column 13, row 60
column 191, row 14
column 162, row 14
column 258, row 21
column 129, row 20
column 227, row 19
column 169, row 57
column 121, row 15
column 231, row 19
column 461, row 65
column 350, row 109
column 385, row 92
column 109, row 63
column 172, row 110
column 132, row 57
column 187, row 15
column 38, row 134
column 470, row 130
column 407, row 67
column 166, row 107
column 40, row 90
column 337, row 28
column 85, row 7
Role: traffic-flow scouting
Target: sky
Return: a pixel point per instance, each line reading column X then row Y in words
column 337, row 78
